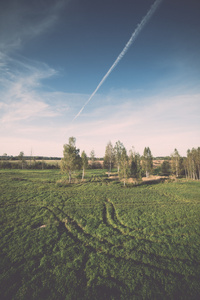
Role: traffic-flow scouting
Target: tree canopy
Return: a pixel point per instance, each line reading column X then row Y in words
column 71, row 159
column 147, row 161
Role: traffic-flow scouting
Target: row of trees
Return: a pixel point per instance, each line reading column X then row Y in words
column 188, row 166
column 192, row 164
column 128, row 164
column 24, row 162
column 131, row 165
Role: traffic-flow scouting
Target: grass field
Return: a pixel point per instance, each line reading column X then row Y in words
column 96, row 239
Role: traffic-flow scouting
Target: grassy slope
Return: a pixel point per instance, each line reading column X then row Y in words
column 100, row 240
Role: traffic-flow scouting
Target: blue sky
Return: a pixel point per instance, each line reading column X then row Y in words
column 53, row 54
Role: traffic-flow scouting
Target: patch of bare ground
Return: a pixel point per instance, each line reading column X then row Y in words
column 154, row 178
column 131, row 180
column 43, row 226
column 113, row 176
column 157, row 162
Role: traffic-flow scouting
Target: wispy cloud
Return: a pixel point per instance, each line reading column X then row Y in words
column 20, row 94
column 21, row 21
column 160, row 122
column 25, row 109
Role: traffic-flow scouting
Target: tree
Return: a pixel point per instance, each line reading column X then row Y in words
column 192, row 164
column 124, row 171
column 118, row 152
column 92, row 157
column 109, row 157
column 84, row 163
column 135, row 166
column 71, row 159
column 147, row 161
column 198, row 161
column 21, row 158
column 165, row 168
column 175, row 162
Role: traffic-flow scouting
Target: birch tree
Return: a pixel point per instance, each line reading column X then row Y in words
column 84, row 163
column 71, row 159
column 92, row 157
column 124, row 171
column 147, row 161
column 192, row 164
column 109, row 157
column 118, row 152
column 135, row 165
column 175, row 162
column 21, row 158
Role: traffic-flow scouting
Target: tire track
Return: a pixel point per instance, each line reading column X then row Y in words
column 115, row 222
column 106, row 221
column 113, row 215
column 142, row 258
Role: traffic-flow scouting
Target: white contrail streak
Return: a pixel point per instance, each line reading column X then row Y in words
column 127, row 46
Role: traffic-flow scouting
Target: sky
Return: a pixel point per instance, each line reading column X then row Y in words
column 54, row 54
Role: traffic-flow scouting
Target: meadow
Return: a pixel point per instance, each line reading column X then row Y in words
column 97, row 239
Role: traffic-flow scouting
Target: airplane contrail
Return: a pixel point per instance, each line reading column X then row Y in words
column 125, row 49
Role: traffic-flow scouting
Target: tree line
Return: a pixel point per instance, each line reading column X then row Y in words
column 27, row 162
column 131, row 164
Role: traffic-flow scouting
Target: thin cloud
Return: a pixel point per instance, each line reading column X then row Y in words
column 160, row 123
column 23, row 21
column 20, row 93
column 165, row 122
column 25, row 109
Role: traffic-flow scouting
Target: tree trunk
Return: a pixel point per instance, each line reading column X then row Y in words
column 83, row 173
column 176, row 168
column 69, row 176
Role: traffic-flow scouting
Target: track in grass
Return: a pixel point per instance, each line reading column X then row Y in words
column 138, row 243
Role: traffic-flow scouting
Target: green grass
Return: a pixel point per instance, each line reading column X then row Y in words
column 100, row 240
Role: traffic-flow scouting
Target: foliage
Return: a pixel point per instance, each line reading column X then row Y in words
column 118, row 152
column 84, row 162
column 135, row 165
column 21, row 158
column 176, row 163
column 92, row 158
column 192, row 164
column 97, row 240
column 71, row 159
column 165, row 168
column 109, row 157
column 32, row 164
column 147, row 161
column 124, row 171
